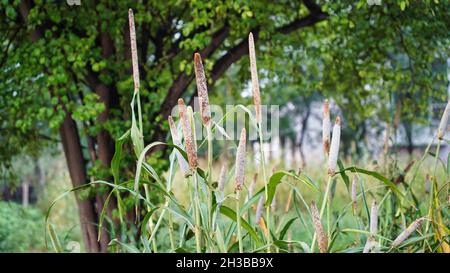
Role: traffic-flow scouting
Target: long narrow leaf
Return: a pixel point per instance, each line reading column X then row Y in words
column 232, row 215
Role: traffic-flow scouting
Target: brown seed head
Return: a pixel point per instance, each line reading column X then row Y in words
column 177, row 141
column 407, row 232
column 222, row 178
column 354, row 192
column 254, row 75
column 322, row 239
column 202, row 89
column 240, row 161
column 187, row 134
column 259, row 209
column 134, row 57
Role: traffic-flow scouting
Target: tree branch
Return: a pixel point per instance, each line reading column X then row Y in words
column 241, row 49
column 10, row 41
column 183, row 80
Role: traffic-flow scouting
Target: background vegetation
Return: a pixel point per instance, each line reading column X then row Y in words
column 66, row 84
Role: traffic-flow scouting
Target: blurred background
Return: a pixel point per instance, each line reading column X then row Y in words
column 66, row 88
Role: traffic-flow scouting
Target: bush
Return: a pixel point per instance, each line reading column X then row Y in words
column 20, row 230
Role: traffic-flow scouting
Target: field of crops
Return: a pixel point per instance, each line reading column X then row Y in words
column 248, row 131
column 240, row 200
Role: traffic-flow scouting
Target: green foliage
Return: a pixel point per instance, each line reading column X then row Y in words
column 20, row 229
column 60, row 61
column 216, row 227
column 364, row 56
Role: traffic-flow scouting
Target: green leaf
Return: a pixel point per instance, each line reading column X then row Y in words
column 127, row 247
column 275, row 179
column 284, row 245
column 136, row 136
column 252, row 200
column 115, row 162
column 141, row 162
column 147, row 218
column 286, row 227
column 181, row 250
column 178, row 209
column 54, row 239
column 232, row 215
column 146, row 244
column 344, row 176
column 379, row 177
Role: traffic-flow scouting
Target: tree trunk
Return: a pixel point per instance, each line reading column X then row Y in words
column 105, row 143
column 74, row 157
column 77, row 170
column 409, row 137
column 105, row 152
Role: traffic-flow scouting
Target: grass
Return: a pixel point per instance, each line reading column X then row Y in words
column 199, row 217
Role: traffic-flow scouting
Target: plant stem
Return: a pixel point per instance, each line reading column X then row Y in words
column 150, row 221
column 238, row 221
column 436, row 158
column 172, row 241
column 433, row 183
column 416, row 170
column 263, row 164
column 158, row 223
column 322, row 209
column 329, row 216
column 141, row 130
column 210, row 161
column 197, row 214
column 119, row 207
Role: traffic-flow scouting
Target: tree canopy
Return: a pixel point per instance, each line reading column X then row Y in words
column 66, row 70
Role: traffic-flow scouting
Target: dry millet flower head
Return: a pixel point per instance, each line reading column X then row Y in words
column 240, row 161
column 252, row 185
column 326, row 127
column 374, row 218
column 334, row 147
column 174, row 132
column 354, row 191
column 322, row 239
column 222, row 178
column 407, row 232
column 254, row 75
column 202, row 89
column 371, row 244
column 273, row 205
column 134, row 57
column 259, row 209
column 371, row 241
column 187, row 134
column 444, row 121
column 177, row 141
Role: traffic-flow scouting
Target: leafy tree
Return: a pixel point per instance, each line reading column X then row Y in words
column 66, row 70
